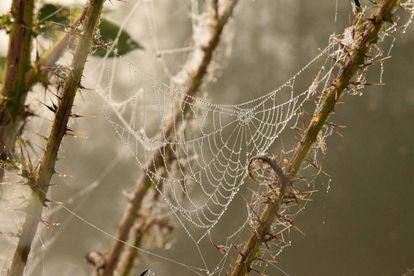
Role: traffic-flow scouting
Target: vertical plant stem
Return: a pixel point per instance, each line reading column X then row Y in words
column 13, row 93
column 372, row 27
column 194, row 69
column 58, row 130
column 12, row 111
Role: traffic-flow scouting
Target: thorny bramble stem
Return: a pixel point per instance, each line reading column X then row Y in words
column 14, row 90
column 58, row 131
column 356, row 58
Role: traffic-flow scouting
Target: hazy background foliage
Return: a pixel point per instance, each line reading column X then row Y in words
column 363, row 226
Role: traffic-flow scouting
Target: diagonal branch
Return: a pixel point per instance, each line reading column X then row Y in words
column 356, row 58
column 194, row 71
column 137, row 236
column 41, row 181
column 54, row 53
column 143, row 227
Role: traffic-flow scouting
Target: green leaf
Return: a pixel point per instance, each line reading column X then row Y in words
column 108, row 33
column 5, row 22
column 54, row 18
column 54, row 13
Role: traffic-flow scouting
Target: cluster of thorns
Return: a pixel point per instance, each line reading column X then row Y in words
column 266, row 172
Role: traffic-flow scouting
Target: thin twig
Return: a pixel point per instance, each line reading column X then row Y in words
column 58, row 130
column 194, row 70
column 136, row 237
column 54, row 53
column 143, row 225
column 355, row 59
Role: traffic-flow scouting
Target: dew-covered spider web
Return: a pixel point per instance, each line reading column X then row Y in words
column 196, row 150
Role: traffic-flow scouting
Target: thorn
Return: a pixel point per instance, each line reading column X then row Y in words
column 298, row 229
column 46, row 202
column 28, row 112
column 83, row 88
column 375, row 83
column 67, row 130
column 310, row 192
column 357, row 5
column 52, row 108
column 335, row 125
column 221, row 248
column 56, row 95
column 74, row 115
column 143, row 273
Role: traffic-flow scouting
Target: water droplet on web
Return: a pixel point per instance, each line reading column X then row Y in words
column 328, row 187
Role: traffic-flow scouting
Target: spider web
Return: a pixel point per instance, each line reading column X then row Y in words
column 205, row 146
column 207, row 149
